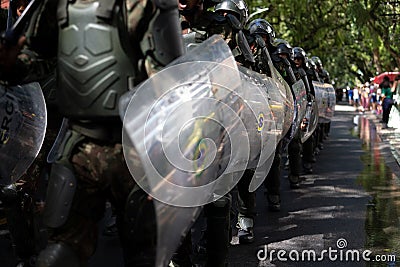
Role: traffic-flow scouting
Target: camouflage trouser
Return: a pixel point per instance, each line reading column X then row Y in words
column 102, row 175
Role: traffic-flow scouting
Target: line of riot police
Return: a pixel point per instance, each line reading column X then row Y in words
column 89, row 167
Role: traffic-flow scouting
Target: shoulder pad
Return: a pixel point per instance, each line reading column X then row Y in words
column 260, row 41
column 234, row 22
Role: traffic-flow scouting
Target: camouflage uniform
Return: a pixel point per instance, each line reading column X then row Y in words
column 92, row 149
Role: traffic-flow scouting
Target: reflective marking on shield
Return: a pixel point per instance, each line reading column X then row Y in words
column 260, row 125
column 199, row 153
column 189, row 134
column 4, row 137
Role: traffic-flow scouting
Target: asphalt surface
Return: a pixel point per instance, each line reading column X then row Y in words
column 333, row 205
column 330, row 205
column 330, row 211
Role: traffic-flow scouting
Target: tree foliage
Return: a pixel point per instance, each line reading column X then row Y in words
column 354, row 39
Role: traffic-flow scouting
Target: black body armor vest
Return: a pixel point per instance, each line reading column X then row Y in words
column 93, row 69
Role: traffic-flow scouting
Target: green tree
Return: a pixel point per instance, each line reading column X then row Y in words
column 355, row 39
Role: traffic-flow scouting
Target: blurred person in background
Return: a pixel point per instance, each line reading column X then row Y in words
column 373, row 98
column 350, row 96
column 387, row 100
column 365, row 97
column 356, row 97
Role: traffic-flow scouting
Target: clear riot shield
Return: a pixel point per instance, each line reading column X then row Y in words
column 281, row 102
column 180, row 128
column 192, row 129
column 23, row 125
column 331, row 101
column 267, row 98
column 321, row 96
column 301, row 103
column 312, row 120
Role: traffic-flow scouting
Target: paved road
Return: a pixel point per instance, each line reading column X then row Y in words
column 328, row 206
column 333, row 205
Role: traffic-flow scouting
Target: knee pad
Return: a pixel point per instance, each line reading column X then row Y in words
column 60, row 193
column 57, row 255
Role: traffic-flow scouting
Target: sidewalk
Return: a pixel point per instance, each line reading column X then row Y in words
column 390, row 137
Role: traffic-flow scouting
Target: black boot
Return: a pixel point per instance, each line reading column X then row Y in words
column 245, row 232
column 294, row 181
column 274, row 202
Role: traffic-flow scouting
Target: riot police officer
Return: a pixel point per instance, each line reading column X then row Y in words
column 263, row 37
column 300, row 59
column 283, row 56
column 323, row 129
column 227, row 20
column 236, row 14
column 323, row 74
column 241, row 50
column 90, row 167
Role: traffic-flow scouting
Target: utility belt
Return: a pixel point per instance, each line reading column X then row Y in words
column 73, row 132
column 110, row 131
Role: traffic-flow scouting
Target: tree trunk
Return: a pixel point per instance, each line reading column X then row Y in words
column 376, row 57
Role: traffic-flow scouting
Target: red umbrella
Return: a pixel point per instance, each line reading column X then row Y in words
column 392, row 75
column 4, row 4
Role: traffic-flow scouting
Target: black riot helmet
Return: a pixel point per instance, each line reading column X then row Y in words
column 311, row 64
column 300, row 53
column 236, row 7
column 262, row 27
column 317, row 61
column 283, row 47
